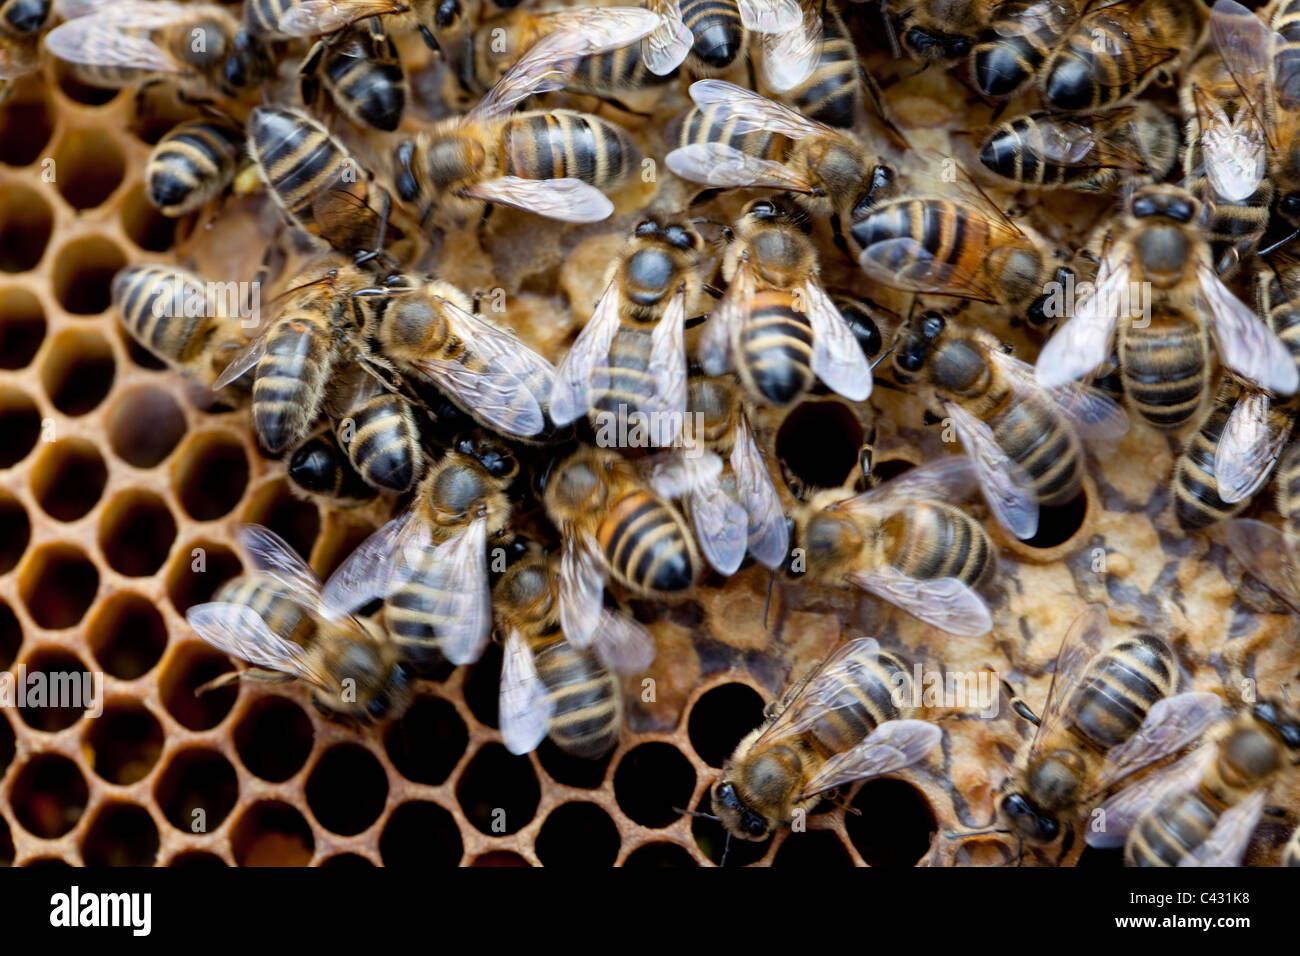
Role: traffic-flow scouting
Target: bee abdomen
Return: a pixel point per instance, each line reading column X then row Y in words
column 412, row 616
column 290, row 381
column 372, row 91
column 873, row 692
column 629, row 382
column 1196, row 488
column 587, row 698
column 1036, row 436
column 776, row 346
column 562, row 144
column 385, row 445
column 151, row 300
column 284, row 617
column 192, row 164
column 1164, row 369
column 938, row 541
column 1011, row 52
column 298, row 158
column 645, row 543
column 1119, row 690
column 830, row 95
column 1169, row 831
column 702, row 125
column 719, row 34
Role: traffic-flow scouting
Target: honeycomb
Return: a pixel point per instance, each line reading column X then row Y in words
column 121, row 491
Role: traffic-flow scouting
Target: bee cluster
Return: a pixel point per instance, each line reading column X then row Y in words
column 606, row 314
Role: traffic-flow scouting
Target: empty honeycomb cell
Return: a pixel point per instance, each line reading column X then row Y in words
column 712, row 840
column 78, row 371
column 7, row 743
column 197, row 789
column 121, row 834
column 6, row 844
column 144, row 225
column 137, row 353
column 68, row 478
column 498, row 791
column 483, row 686
column 124, row 742
column 47, row 863
column 570, row 770
column 83, row 274
column 499, row 858
column 197, row 570
column 197, row 858
column 26, row 122
column 22, row 327
column 272, row 833
column 189, row 668
column 346, row 789
column 428, row 742
column 1057, row 525
column 80, row 92
column 127, row 635
column 15, row 532
column 58, row 584
column 660, row 855
column 49, row 795
column 26, row 222
column 814, row 850
column 20, row 423
column 136, row 533
column 298, row 522
column 420, row 834
column 59, row 690
column 273, row 738
column 894, row 823
column 721, row 718
column 577, row 834
column 347, row 861
column 819, row 442
column 210, row 475
column 144, row 425
column 11, row 635
column 88, row 167
column 651, row 780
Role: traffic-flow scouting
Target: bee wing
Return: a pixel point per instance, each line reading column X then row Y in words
column 374, row 570
column 770, row 16
column 790, row 56
column 1084, row 341
column 716, row 164
column 665, row 47
column 623, row 644
column 1246, row 345
column 581, row 588
column 237, row 630
column 525, row 708
column 945, row 603
column 101, row 41
column 673, row 473
column 570, row 396
column 1007, row 487
column 1122, row 810
column 1234, row 151
column 946, row 478
column 892, row 746
column 1266, row 553
column 666, row 369
column 1081, row 644
column 244, row 360
column 463, row 599
column 829, row 687
column 768, row 533
column 717, row 337
column 721, row 527
column 273, row 556
column 1249, row 447
column 567, row 200
column 1095, row 414
column 1246, row 45
column 1227, row 842
column 752, row 113
column 1067, row 142
column 1170, row 725
column 312, row 18
column 837, row 357
column 904, row 263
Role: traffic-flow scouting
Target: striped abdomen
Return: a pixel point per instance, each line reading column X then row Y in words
column 290, row 382
column 563, row 143
column 1020, row 150
column 620, row 69
column 192, row 164
column 944, row 230
column 151, row 300
column 588, row 702
column 931, row 540
column 262, row 17
column 1165, row 369
column 627, row 384
column 775, row 349
column 284, row 617
column 1196, row 489
column 382, row 439
column 830, row 95
column 1119, row 688
column 872, row 691
column 320, row 467
column 365, row 78
column 702, row 125
column 719, row 34
column 300, row 161
column 647, row 545
column 1012, row 51
column 1173, row 828
column 1035, row 435
column 417, row 612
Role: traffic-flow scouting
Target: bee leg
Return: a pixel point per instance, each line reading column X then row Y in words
column 430, row 40
column 1020, row 707
column 837, row 236
column 480, row 231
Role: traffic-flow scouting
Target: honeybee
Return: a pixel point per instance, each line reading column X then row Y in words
column 1022, row 439
column 1108, row 714
column 1116, row 49
column 547, row 684
column 938, row 31
column 192, row 164
column 834, row 89
column 360, row 70
column 550, row 163
column 1049, row 151
column 735, row 138
column 630, row 358
column 1010, row 54
column 21, row 24
column 775, row 324
column 1203, row 810
column 839, row 725
column 377, row 428
column 290, row 19
column 320, row 468
column 1198, row 491
column 351, row 664
column 1270, row 553
column 1165, row 361
column 613, row 525
column 904, row 543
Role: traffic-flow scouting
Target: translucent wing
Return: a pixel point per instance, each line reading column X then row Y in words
column 717, row 337
column 892, row 746
column 311, row 18
column 1007, row 487
column 770, row 16
column 273, row 556
column 525, row 709
column 570, row 398
column 1227, row 842
column 1094, row 414
column 946, row 478
column 1170, row 725
column 1246, row 45
column 1252, row 441
column 666, row 369
column 98, row 41
column 904, row 263
column 716, row 164
column 1266, row 553
column 464, row 600
column 665, row 47
column 945, row 603
column 1121, row 811
column 673, row 474
column 753, row 113
column 623, row 644
column 721, row 527
column 1234, row 151
column 789, row 57
column 837, row 357
column 1081, row 644
column 568, row 200
column 1084, row 341
column 581, row 588
column 373, row 571
column 1246, row 345
column 768, row 533
column 1065, row 141
column 827, row 689
column 236, row 629
column 244, row 360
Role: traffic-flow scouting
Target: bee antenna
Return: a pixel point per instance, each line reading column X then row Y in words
column 726, row 849
column 696, row 813
column 1279, row 244
column 884, row 355
column 771, row 579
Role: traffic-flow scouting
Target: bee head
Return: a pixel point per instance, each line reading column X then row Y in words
column 1027, row 820
column 496, row 459
column 577, row 485
column 1280, row 720
column 938, row 47
column 207, row 44
column 737, row 818
column 916, row 342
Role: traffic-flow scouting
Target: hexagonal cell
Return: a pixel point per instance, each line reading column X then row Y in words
column 197, row 571
column 20, row 423
column 127, row 635
column 721, row 718
column 123, row 744
column 346, row 789
column 814, row 850
column 894, row 825
column 49, row 795
column 420, row 834
column 56, row 691
column 191, row 666
column 273, row 738
column 83, row 274
column 26, row 222
column 650, row 781
column 144, row 225
column 272, row 833
column 78, row 371
column 136, row 533
column 15, row 532
column 197, row 790
column 144, row 425
column 660, row 855
column 89, row 167
column 68, row 479
column 499, row 858
column 348, row 861
column 297, row 521
column 22, row 327
column 47, row 863
column 482, row 686
column 81, row 92
column 58, row 584
column 197, row 858
column 210, row 475
column 26, row 122
column 570, row 770
column 820, row 441
column 121, row 834
column 577, row 834
column 427, row 743
column 498, row 791
column 11, row 636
